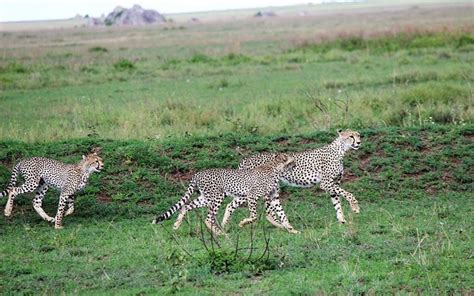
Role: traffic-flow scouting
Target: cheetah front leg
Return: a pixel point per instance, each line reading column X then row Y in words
column 213, row 208
column 330, row 187
column 270, row 209
column 60, row 213
column 349, row 197
column 271, row 215
column 70, row 206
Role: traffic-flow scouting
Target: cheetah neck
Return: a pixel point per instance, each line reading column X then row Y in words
column 84, row 172
column 338, row 147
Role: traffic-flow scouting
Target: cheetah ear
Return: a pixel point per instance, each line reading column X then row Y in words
column 96, row 150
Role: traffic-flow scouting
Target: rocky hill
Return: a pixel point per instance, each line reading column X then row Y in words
column 135, row 16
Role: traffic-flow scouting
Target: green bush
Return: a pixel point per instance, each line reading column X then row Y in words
column 14, row 67
column 124, row 64
column 200, row 58
column 98, row 49
column 388, row 42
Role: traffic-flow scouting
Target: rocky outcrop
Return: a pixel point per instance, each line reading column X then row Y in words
column 135, row 16
column 267, row 13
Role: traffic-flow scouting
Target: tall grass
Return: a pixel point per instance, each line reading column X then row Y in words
column 405, row 78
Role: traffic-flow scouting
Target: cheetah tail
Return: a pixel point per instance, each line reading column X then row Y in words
column 178, row 205
column 12, row 181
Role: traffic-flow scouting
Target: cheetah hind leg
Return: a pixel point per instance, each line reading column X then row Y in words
column 274, row 209
column 180, row 218
column 231, row 207
column 289, row 228
column 9, row 204
column 197, row 203
column 38, row 203
column 28, row 186
column 271, row 217
column 247, row 221
column 272, row 220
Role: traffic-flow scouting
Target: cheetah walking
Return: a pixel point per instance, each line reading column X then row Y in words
column 245, row 185
column 41, row 173
column 322, row 165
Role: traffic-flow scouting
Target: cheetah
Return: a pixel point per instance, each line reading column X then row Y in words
column 41, row 173
column 322, row 165
column 245, row 185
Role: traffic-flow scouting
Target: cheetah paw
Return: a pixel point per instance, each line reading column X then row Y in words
column 8, row 213
column 293, row 231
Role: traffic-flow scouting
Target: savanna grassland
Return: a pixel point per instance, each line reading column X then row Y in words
column 284, row 74
column 166, row 101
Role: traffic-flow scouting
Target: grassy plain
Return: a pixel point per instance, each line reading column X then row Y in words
column 414, row 233
column 170, row 100
column 261, row 76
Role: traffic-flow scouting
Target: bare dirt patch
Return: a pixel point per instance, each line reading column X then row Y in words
column 181, row 175
column 103, row 197
column 349, row 176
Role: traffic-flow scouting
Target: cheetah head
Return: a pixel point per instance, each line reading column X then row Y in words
column 284, row 161
column 350, row 139
column 92, row 162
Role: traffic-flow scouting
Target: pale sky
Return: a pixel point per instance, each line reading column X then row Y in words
column 21, row 10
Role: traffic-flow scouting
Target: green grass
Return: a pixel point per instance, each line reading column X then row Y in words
column 414, row 233
column 167, row 101
column 402, row 79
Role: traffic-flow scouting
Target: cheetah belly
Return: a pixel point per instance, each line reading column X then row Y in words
column 54, row 180
column 308, row 180
column 236, row 192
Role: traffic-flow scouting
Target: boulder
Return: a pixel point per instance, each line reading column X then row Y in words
column 135, row 16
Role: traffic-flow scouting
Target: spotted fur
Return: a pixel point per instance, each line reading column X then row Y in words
column 41, row 173
column 322, row 165
column 245, row 185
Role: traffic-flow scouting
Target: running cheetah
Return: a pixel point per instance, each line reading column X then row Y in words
column 40, row 173
column 245, row 185
column 322, row 165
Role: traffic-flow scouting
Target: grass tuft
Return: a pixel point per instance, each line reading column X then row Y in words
column 98, row 49
column 124, row 64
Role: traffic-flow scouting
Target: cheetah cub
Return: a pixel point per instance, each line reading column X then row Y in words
column 41, row 173
column 246, row 186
